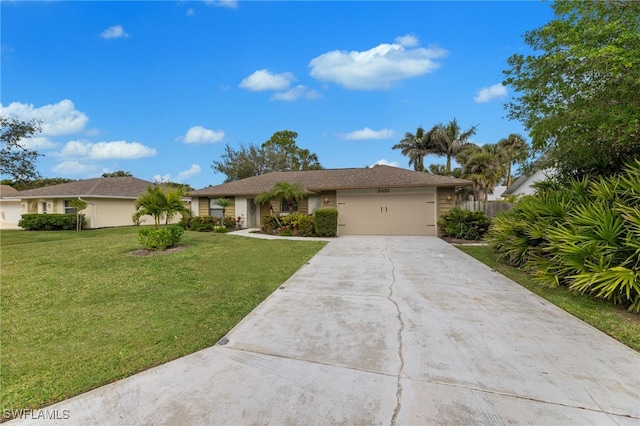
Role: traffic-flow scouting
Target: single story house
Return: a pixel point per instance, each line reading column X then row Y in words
column 524, row 184
column 110, row 200
column 10, row 210
column 380, row 200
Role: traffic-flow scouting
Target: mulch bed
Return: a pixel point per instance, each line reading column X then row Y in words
column 461, row 242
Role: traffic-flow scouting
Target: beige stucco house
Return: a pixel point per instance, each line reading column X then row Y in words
column 110, row 200
column 380, row 200
column 10, row 210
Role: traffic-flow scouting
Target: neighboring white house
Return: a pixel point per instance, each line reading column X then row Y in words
column 10, row 209
column 524, row 184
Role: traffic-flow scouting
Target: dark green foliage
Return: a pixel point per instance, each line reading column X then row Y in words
column 464, row 224
column 297, row 224
column 50, row 222
column 229, row 223
column 16, row 160
column 161, row 238
column 326, row 222
column 584, row 234
column 269, row 224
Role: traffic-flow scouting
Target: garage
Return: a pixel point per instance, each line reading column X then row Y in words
column 385, row 212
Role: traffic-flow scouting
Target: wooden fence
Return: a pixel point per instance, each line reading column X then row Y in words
column 490, row 208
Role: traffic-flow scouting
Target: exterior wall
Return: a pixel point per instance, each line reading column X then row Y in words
column 445, row 202
column 203, row 207
column 265, row 210
column 313, row 203
column 328, row 200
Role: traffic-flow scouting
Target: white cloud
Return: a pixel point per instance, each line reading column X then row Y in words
column 106, row 150
column 266, row 80
column 115, row 31
column 295, row 93
column 376, row 68
column 408, row 40
column 38, row 143
column 231, row 4
column 198, row 134
column 190, row 12
column 183, row 176
column 384, row 162
column 487, row 94
column 57, row 119
column 367, row 133
column 73, row 168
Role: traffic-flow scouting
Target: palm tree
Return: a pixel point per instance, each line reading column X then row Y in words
column 159, row 202
column 224, row 203
column 449, row 140
column 485, row 167
column 416, row 147
column 517, row 152
column 292, row 192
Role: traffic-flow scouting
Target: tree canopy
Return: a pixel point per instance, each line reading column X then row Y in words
column 119, row 173
column 279, row 153
column 16, row 160
column 579, row 95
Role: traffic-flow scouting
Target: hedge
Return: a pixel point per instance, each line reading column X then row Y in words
column 50, row 222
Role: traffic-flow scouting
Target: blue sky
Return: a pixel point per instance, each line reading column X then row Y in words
column 157, row 88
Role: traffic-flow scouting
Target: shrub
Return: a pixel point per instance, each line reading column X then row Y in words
column 303, row 224
column 229, row 223
column 159, row 239
column 269, row 224
column 50, row 222
column 326, row 222
column 464, row 224
column 203, row 223
column 583, row 234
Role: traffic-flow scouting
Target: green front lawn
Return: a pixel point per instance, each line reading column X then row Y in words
column 79, row 311
column 601, row 314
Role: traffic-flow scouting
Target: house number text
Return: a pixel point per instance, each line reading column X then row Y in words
column 382, row 190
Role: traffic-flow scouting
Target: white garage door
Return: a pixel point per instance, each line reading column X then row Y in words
column 387, row 214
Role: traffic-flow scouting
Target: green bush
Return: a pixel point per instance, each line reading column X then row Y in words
column 584, row 234
column 159, row 239
column 303, row 224
column 269, row 225
column 230, row 223
column 202, row 223
column 464, row 224
column 326, row 222
column 50, row 222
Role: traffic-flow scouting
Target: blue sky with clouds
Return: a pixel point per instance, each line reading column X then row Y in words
column 157, row 88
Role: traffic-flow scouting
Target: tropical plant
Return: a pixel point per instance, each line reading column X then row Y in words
column 584, row 234
column 484, row 166
column 291, row 192
column 449, row 140
column 160, row 202
column 517, row 151
column 224, row 203
column 416, row 147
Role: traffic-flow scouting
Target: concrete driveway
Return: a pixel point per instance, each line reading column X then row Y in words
column 385, row 330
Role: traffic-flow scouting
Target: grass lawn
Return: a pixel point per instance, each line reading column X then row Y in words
column 78, row 311
column 603, row 315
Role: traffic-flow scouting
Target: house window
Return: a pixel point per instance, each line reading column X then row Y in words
column 67, row 208
column 44, row 208
column 286, row 207
column 214, row 209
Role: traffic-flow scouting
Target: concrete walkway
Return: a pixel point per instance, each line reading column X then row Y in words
column 386, row 330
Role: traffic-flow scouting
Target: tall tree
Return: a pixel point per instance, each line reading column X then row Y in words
column 280, row 153
column 485, row 167
column 16, row 160
column 416, row 147
column 449, row 140
column 579, row 95
column 516, row 150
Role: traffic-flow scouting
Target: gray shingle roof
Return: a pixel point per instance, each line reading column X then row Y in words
column 7, row 191
column 332, row 179
column 109, row 187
